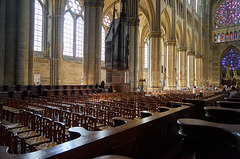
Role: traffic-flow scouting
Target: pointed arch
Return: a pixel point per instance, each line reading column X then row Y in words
column 179, row 33
column 166, row 23
column 196, row 47
column 189, row 40
column 228, row 49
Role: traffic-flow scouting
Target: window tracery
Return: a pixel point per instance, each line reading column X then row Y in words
column 231, row 60
column 73, row 29
column 228, row 13
column 38, row 26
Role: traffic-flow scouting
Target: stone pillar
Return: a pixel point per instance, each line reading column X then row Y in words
column 198, row 70
column 182, row 67
column 55, row 19
column 155, row 60
column 10, row 42
column 133, row 52
column 92, row 41
column 22, row 43
column 191, row 70
column 141, row 60
column 170, row 64
column 2, row 38
column 31, row 43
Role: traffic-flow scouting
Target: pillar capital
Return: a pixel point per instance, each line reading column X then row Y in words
column 155, row 34
column 190, row 53
column 133, row 21
column 94, row 3
column 181, row 48
column 198, row 56
column 170, row 42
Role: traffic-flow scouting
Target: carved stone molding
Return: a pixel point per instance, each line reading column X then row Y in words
column 181, row 48
column 155, row 34
column 198, row 56
column 190, row 53
column 133, row 21
column 170, row 42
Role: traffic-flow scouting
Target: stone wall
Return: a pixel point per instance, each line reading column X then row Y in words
column 42, row 67
column 72, row 73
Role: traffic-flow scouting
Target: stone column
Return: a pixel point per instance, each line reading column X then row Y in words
column 10, row 42
column 22, row 43
column 133, row 52
column 155, row 60
column 170, row 64
column 182, row 67
column 141, row 60
column 55, row 20
column 92, row 41
column 31, row 43
column 2, row 38
column 132, row 12
column 198, row 70
column 191, row 70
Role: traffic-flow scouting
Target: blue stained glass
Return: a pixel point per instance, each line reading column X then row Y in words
column 228, row 13
column 231, row 60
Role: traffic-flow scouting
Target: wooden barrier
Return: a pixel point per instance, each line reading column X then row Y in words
column 139, row 138
column 201, row 103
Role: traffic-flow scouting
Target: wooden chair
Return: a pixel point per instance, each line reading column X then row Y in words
column 110, row 115
column 67, row 120
column 46, row 135
column 90, row 123
column 77, row 119
column 12, row 133
column 36, row 131
column 58, row 136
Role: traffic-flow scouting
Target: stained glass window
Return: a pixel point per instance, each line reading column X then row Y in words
column 223, row 37
column 38, row 26
column 228, row 13
column 239, row 35
column 215, row 37
column 73, row 29
column 196, row 5
column 235, row 35
column 145, row 54
column 219, row 38
column 227, row 38
column 105, row 28
column 80, row 37
column 68, row 29
column 103, row 44
column 106, row 21
column 231, row 60
column 231, row 36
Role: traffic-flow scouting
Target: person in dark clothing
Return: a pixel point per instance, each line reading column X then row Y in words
column 102, row 84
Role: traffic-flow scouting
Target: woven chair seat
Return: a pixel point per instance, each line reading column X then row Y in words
column 20, row 130
column 37, row 140
column 46, row 145
column 28, row 134
column 13, row 126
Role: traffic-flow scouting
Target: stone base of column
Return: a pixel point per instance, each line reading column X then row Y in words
column 154, row 89
column 182, row 87
column 170, row 88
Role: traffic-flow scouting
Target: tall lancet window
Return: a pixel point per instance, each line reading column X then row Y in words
column 105, row 28
column 103, row 44
column 73, row 29
column 145, row 53
column 38, row 26
column 196, row 5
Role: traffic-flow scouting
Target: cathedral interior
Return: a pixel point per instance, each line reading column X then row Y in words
column 151, row 48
